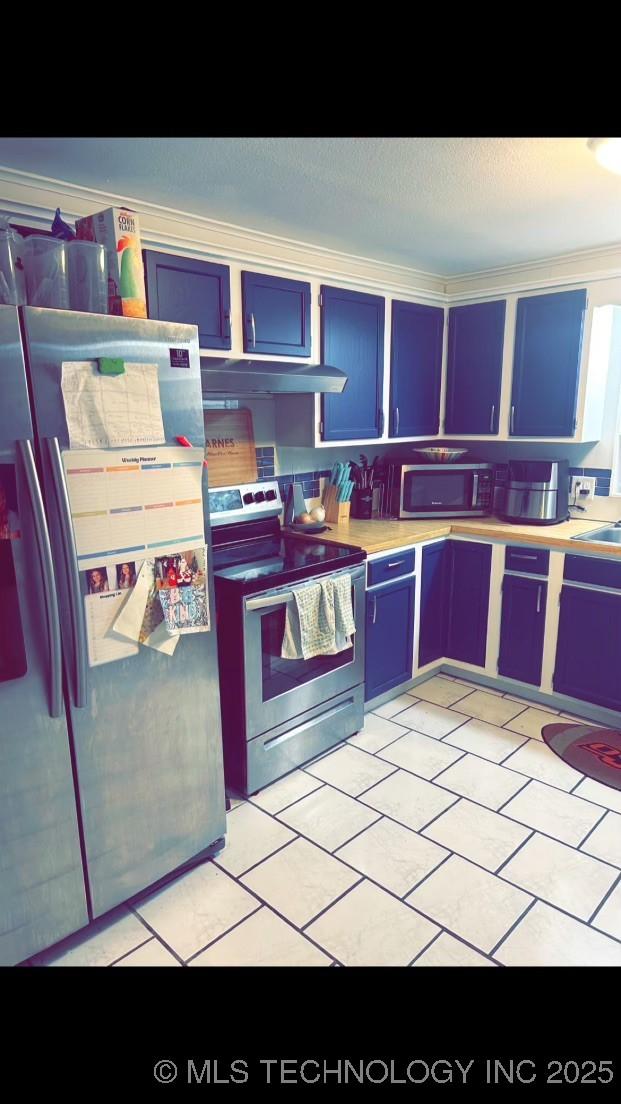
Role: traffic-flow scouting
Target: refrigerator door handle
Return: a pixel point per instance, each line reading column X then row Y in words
column 76, row 604
column 49, row 583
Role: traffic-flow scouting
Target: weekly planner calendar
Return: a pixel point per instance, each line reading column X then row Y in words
column 134, row 503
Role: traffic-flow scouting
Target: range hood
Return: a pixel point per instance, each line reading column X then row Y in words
column 240, row 376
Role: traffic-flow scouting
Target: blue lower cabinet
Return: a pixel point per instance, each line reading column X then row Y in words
column 521, row 632
column 588, row 649
column 432, row 632
column 468, row 572
column 389, row 636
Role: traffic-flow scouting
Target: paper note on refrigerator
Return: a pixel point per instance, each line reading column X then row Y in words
column 110, row 411
column 181, row 582
column 134, row 504
column 141, row 619
column 101, row 612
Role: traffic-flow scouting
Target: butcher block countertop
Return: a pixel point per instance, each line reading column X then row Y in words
column 381, row 534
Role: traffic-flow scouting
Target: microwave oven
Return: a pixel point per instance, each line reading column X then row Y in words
column 441, row 490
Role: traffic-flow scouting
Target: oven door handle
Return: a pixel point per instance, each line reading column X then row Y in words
column 272, row 602
column 267, row 603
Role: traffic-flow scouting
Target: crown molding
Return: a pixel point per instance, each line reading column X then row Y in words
column 584, row 266
column 34, row 198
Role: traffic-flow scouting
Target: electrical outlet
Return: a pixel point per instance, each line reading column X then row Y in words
column 582, row 488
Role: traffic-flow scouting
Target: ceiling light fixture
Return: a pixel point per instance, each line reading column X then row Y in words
column 607, row 152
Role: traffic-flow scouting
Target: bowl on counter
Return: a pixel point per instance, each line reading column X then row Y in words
column 441, row 455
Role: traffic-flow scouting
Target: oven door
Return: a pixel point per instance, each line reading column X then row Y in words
column 442, row 490
column 278, row 690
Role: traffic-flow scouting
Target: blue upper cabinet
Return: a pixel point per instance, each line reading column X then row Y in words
column 474, row 368
column 415, row 369
column 180, row 289
column 276, row 315
column 546, row 364
column 352, row 339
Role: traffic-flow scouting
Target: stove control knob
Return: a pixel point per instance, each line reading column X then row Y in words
column 259, row 496
column 248, row 498
column 270, row 496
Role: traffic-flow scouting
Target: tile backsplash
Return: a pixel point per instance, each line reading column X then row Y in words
column 307, row 466
column 602, row 479
column 311, row 481
column 265, row 462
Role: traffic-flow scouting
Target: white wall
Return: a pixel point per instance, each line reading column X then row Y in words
column 602, row 454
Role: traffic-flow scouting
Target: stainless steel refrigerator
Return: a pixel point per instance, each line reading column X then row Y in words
column 111, row 776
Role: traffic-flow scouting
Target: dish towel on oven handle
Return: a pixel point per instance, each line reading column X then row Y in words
column 319, row 620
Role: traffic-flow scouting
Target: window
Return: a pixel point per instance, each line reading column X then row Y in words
column 613, row 399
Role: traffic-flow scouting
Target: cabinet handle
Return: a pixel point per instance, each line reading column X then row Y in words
column 522, row 556
column 512, row 418
column 254, row 331
column 396, row 421
column 539, row 589
column 491, row 418
column 381, row 423
column 374, row 609
column 395, row 563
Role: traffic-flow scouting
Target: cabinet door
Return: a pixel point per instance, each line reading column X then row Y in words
column 546, row 364
column 588, row 650
column 468, row 601
column 180, row 289
column 276, row 315
column 389, row 637
column 474, row 368
column 433, row 609
column 521, row 631
column 352, row 339
column 415, row 369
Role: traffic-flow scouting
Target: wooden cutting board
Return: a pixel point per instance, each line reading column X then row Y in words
column 230, row 451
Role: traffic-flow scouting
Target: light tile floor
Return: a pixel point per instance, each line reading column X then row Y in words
column 445, row 833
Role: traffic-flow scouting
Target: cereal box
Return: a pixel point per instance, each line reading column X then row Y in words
column 118, row 229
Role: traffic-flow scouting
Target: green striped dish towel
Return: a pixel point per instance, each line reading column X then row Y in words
column 319, row 620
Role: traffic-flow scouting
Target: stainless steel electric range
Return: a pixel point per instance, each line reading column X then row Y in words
column 276, row 713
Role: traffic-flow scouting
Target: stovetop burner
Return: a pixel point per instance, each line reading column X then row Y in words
column 281, row 559
column 255, row 554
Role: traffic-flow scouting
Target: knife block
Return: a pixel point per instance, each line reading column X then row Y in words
column 336, row 512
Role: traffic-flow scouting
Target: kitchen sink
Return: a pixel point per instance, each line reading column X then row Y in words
column 609, row 534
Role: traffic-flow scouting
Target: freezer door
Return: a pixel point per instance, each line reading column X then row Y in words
column 146, row 729
column 42, row 892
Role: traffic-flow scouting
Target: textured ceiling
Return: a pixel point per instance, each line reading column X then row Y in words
column 444, row 205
